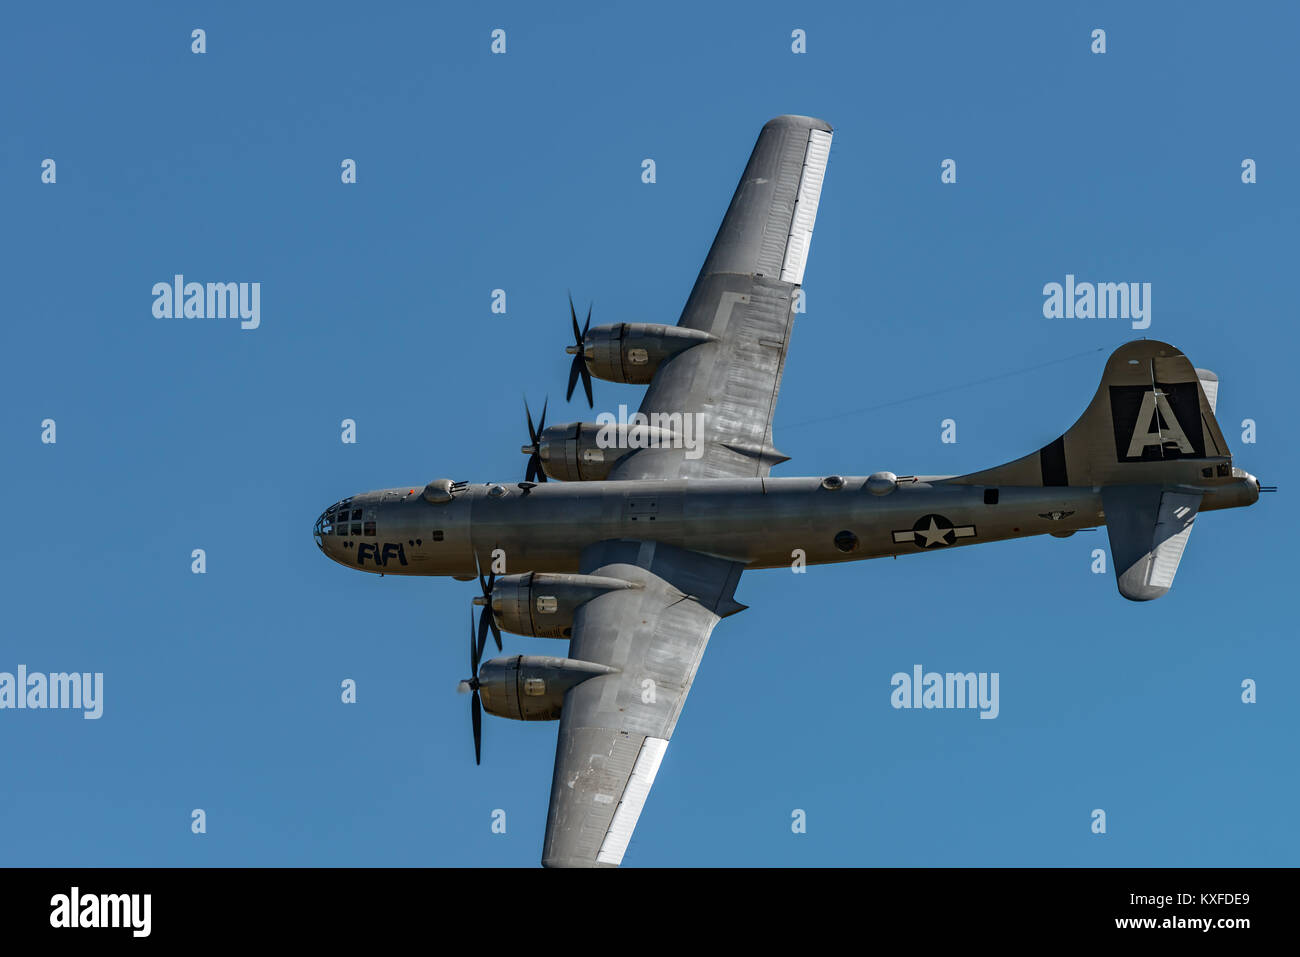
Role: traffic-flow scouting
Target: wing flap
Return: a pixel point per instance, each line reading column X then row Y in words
column 805, row 208
column 629, row 808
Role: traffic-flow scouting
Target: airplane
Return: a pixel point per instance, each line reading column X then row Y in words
column 635, row 554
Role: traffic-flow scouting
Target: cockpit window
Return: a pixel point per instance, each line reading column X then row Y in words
column 342, row 520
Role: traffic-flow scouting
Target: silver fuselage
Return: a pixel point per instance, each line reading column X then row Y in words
column 762, row 523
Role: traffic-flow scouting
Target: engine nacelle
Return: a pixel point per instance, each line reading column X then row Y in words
column 542, row 604
column 532, row 687
column 633, row 351
column 587, row 451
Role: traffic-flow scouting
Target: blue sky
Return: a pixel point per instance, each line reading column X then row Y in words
column 522, row 171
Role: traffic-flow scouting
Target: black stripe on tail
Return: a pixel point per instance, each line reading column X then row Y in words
column 1052, row 460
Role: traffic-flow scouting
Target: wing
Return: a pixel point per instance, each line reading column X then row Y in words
column 614, row 729
column 744, row 296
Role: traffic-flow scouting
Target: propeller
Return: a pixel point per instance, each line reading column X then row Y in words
column 471, row 685
column 533, row 450
column 487, row 620
column 578, row 351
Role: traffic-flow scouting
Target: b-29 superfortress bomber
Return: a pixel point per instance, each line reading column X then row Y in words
column 635, row 555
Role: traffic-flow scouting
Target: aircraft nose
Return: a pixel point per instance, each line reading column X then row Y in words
column 330, row 523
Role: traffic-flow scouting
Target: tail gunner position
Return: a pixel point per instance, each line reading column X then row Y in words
column 635, row 555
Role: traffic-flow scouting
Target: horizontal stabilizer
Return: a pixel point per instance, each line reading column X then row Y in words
column 1148, row 530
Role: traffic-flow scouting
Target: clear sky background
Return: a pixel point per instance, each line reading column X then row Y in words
column 523, row 172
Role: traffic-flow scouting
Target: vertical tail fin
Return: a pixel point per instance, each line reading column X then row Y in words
column 1150, row 442
column 1151, row 422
